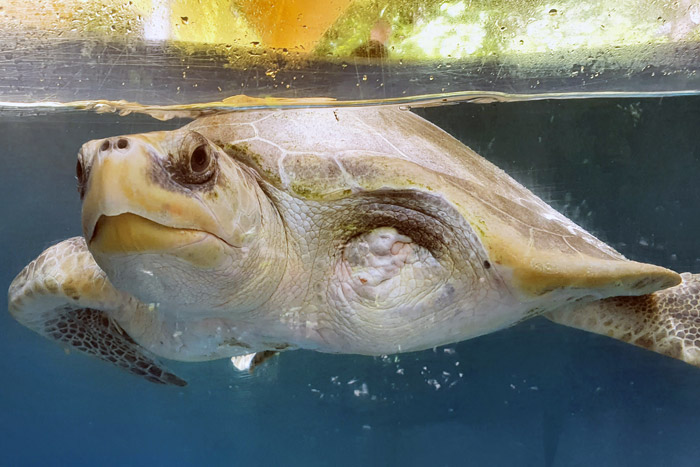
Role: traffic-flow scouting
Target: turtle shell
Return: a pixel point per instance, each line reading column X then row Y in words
column 325, row 154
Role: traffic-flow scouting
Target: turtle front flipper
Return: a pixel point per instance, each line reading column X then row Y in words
column 666, row 322
column 65, row 296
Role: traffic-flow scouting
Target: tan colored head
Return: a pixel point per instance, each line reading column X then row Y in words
column 167, row 214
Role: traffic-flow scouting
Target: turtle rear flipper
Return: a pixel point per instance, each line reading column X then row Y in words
column 666, row 322
column 64, row 295
column 249, row 362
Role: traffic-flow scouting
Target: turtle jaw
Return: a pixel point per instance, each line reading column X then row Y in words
column 128, row 234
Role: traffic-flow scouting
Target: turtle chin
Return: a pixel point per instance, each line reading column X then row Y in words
column 154, row 262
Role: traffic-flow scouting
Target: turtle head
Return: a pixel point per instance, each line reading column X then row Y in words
column 173, row 220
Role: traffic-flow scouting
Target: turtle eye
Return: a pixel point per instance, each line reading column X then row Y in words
column 195, row 162
column 200, row 159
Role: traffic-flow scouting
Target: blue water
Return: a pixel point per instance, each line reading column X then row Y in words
column 536, row 394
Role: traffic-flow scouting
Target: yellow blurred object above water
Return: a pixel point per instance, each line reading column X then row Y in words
column 292, row 24
column 163, row 52
column 277, row 24
column 409, row 29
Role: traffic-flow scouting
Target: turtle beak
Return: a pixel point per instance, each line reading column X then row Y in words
column 130, row 206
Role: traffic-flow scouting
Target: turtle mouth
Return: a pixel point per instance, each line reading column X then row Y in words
column 129, row 233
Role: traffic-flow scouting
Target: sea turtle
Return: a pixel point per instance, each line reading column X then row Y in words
column 360, row 230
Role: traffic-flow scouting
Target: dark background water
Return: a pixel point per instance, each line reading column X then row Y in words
column 536, row 394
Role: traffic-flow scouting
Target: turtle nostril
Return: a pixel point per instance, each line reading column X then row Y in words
column 105, row 145
column 122, row 143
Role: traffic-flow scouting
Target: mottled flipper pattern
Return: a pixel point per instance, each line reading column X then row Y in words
column 95, row 333
column 63, row 295
column 667, row 321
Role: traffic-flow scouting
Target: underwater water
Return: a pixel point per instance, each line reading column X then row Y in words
column 535, row 394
